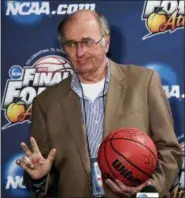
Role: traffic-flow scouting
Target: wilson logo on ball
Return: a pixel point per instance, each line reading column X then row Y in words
column 119, row 166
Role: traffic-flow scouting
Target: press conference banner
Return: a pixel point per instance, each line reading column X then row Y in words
column 145, row 33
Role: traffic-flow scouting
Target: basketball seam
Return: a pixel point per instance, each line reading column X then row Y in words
column 135, row 142
column 128, row 160
column 107, row 161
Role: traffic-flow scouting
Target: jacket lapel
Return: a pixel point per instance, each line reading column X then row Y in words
column 114, row 98
column 72, row 108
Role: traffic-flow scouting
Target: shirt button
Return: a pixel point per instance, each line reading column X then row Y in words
column 96, row 122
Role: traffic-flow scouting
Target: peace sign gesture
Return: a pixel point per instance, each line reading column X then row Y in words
column 33, row 162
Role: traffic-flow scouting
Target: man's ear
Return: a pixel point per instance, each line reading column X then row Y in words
column 107, row 43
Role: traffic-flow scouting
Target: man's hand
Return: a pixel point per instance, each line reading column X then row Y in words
column 121, row 189
column 33, row 162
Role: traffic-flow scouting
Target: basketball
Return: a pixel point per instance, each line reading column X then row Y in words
column 129, row 155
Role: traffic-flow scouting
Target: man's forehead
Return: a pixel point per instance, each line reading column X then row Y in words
column 81, row 28
column 82, row 20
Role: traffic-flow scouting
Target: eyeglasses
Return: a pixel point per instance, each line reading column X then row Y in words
column 88, row 43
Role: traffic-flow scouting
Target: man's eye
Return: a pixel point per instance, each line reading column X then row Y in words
column 71, row 44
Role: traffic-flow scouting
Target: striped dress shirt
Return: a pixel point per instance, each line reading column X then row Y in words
column 92, row 113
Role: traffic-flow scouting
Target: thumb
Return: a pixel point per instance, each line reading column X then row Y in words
column 148, row 182
column 51, row 156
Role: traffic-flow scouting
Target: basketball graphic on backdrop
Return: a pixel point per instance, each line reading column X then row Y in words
column 129, row 155
column 53, row 63
column 33, row 79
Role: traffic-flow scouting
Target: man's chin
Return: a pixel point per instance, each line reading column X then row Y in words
column 83, row 72
column 83, row 69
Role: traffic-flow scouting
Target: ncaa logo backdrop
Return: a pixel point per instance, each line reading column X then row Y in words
column 147, row 33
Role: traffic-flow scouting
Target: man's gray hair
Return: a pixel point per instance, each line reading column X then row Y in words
column 103, row 24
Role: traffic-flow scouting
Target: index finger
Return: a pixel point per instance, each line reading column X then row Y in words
column 115, row 188
column 34, row 145
column 26, row 149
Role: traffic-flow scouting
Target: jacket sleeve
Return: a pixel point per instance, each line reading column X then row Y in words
column 162, row 132
column 38, row 131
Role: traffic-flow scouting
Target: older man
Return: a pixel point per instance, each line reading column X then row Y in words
column 75, row 115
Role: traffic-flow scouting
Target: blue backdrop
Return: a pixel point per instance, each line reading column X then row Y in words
column 150, row 34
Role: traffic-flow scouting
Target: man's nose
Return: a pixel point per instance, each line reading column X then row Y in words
column 80, row 50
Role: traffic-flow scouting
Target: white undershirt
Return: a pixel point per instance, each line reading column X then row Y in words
column 91, row 91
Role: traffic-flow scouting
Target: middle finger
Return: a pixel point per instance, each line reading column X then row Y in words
column 26, row 149
column 129, row 189
column 115, row 188
column 34, row 145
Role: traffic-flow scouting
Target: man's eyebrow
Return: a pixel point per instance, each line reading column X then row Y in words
column 68, row 41
column 83, row 38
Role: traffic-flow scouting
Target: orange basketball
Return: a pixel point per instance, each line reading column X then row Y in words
column 129, row 155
